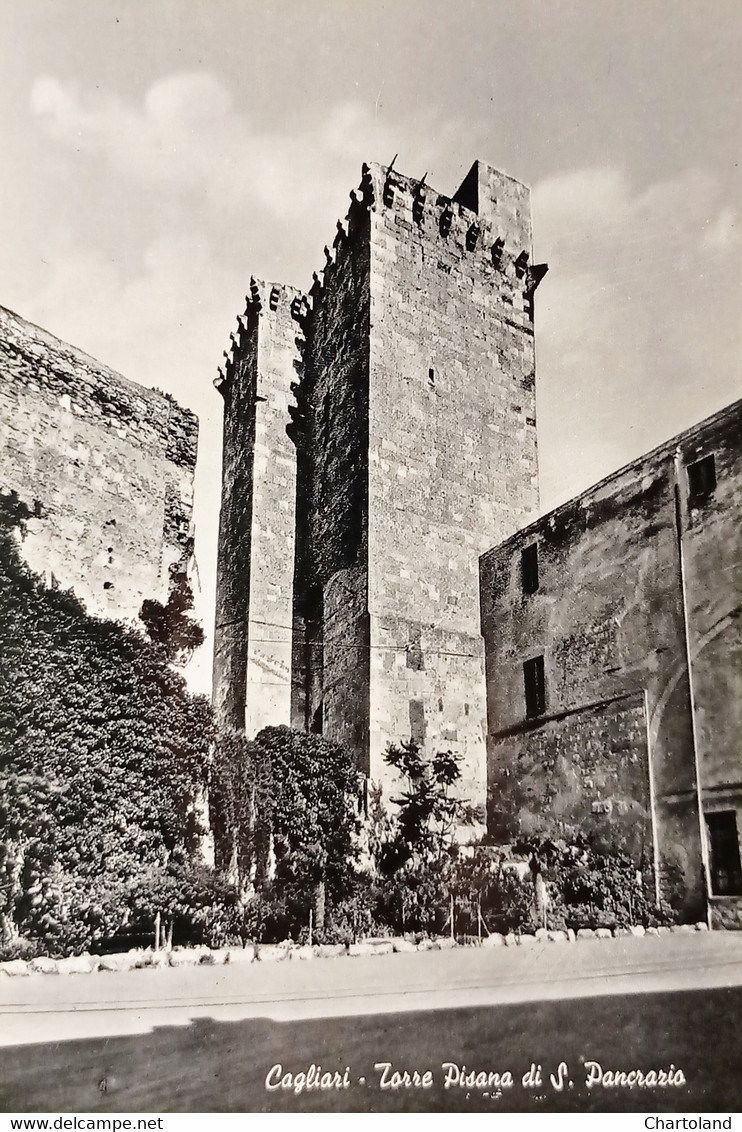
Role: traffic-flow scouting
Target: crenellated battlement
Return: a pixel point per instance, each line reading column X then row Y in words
column 268, row 299
column 493, row 231
column 485, row 224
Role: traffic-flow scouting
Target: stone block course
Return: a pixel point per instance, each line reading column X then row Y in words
column 105, row 465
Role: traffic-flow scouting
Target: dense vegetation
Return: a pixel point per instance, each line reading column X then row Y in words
column 103, row 758
column 285, row 813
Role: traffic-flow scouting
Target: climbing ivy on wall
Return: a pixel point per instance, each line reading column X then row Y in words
column 285, row 818
column 103, row 754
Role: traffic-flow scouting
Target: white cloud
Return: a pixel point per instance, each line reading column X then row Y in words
column 722, row 232
column 187, row 136
column 636, row 327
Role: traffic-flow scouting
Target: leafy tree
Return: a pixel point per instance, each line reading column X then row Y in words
column 285, row 817
column 241, row 806
column 429, row 808
column 169, row 625
column 103, row 755
column 195, row 904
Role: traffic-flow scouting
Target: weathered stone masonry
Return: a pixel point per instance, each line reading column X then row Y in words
column 415, row 433
column 105, row 465
column 627, row 599
column 255, row 566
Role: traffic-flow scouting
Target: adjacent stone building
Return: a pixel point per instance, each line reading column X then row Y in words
column 614, row 668
column 101, row 467
column 412, row 364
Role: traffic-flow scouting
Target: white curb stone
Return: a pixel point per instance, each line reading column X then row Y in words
column 304, row 952
column 120, row 961
column 403, row 946
column 44, row 966
column 272, row 953
column 15, row 967
column 331, row 950
column 78, row 965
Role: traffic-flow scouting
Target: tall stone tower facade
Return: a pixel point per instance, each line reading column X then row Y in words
column 255, row 563
column 414, row 426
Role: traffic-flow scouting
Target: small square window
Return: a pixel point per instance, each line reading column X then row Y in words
column 535, row 687
column 726, row 874
column 702, row 478
column 529, row 568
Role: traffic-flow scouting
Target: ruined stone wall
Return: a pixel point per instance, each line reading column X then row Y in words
column 609, row 618
column 452, row 446
column 106, row 465
column 252, row 646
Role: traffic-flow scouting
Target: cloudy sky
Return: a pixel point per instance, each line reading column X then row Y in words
column 158, row 152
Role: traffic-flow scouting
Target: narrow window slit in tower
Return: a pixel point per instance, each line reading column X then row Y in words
column 529, row 568
column 535, row 687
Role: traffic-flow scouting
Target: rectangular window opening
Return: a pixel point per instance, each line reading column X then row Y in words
column 702, row 478
column 414, row 657
column 362, row 799
column 431, row 376
column 529, row 568
column 535, row 687
column 726, row 873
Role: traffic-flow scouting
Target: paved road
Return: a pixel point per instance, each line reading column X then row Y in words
column 205, row 1038
column 105, row 1003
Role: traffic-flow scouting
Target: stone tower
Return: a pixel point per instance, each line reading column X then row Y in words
column 255, row 565
column 415, row 432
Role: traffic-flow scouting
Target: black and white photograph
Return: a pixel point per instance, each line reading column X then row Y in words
column 370, row 561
